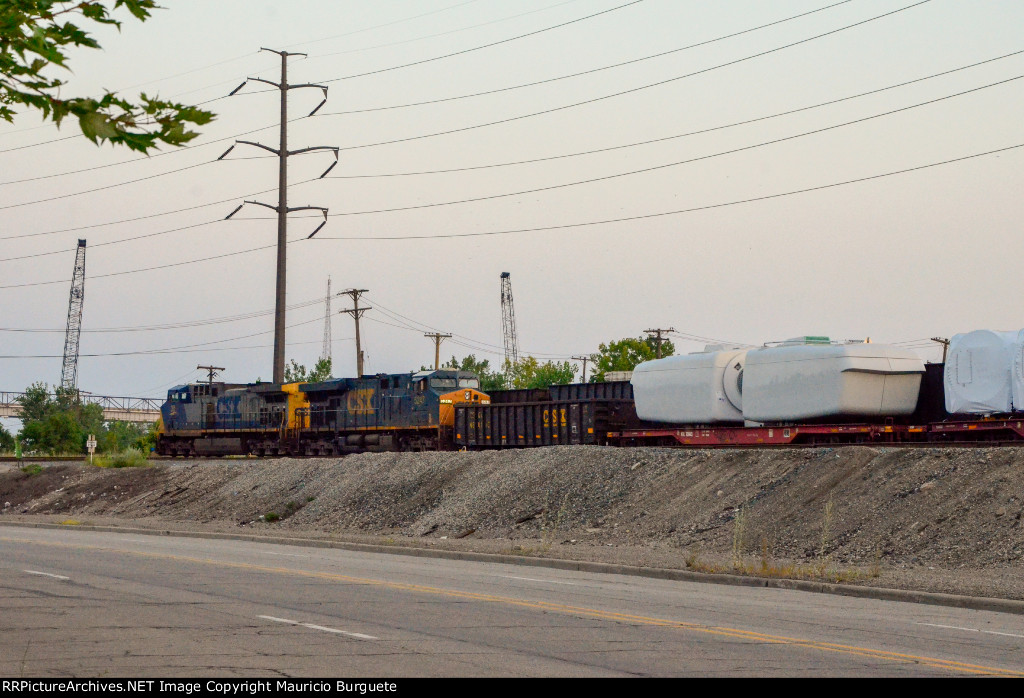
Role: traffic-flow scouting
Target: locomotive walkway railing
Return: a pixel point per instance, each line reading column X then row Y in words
column 123, row 409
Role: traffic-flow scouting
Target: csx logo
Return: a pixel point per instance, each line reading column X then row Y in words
column 360, row 400
column 551, row 417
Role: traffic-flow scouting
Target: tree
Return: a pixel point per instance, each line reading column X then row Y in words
column 625, row 354
column 531, row 373
column 297, row 373
column 6, row 440
column 489, row 380
column 57, row 424
column 34, row 35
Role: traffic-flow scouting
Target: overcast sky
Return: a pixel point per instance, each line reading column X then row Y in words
column 897, row 258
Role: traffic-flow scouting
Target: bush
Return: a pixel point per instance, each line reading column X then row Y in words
column 32, row 469
column 129, row 458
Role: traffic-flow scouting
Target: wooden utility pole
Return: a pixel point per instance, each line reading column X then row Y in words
column 584, row 359
column 356, row 312
column 658, row 340
column 438, row 338
column 212, row 370
column 945, row 346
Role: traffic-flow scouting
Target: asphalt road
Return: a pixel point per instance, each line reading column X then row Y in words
column 91, row 604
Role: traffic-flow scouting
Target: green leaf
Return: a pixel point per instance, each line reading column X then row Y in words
column 96, row 125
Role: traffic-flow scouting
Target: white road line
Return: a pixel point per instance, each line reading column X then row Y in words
column 970, row 630
column 45, row 574
column 285, row 554
column 542, row 581
column 322, row 628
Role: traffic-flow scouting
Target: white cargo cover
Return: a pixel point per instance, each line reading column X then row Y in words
column 690, row 389
column 979, row 370
column 1018, row 374
column 789, row 383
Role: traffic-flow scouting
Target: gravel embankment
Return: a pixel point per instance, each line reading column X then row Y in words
column 947, row 520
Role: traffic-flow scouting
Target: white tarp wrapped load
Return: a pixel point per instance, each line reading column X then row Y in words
column 701, row 388
column 1017, row 389
column 979, row 370
column 813, row 381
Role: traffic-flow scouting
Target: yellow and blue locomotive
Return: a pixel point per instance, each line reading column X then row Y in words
column 384, row 412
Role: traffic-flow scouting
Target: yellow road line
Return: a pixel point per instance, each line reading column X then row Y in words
column 568, row 610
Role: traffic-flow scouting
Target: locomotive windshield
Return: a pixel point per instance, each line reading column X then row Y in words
column 453, row 383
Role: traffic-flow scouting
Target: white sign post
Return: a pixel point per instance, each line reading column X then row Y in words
column 91, row 445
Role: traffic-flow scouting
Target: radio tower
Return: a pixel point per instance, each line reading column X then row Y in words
column 69, row 374
column 326, row 353
column 508, row 323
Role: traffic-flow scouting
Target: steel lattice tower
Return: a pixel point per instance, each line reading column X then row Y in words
column 508, row 322
column 326, row 353
column 69, row 374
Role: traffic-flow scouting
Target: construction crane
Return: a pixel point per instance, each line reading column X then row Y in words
column 69, row 373
column 508, row 323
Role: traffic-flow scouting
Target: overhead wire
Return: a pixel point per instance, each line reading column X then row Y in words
column 678, row 162
column 591, row 70
column 488, row 45
column 565, row 226
column 621, row 93
column 675, row 136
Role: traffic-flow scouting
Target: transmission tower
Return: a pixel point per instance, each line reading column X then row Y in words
column 69, row 374
column 282, row 208
column 325, row 355
column 508, row 323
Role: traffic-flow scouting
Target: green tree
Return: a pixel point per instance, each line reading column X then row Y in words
column 531, row 373
column 6, row 440
column 57, row 423
column 625, row 354
column 489, row 380
column 34, row 38
column 297, row 373
column 120, row 436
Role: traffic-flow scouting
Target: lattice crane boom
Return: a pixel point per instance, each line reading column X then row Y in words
column 69, row 373
column 508, row 321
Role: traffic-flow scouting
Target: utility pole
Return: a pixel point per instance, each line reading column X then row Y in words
column 69, row 372
column 212, row 370
column 325, row 355
column 282, row 207
column 356, row 312
column 438, row 338
column 658, row 340
column 945, row 346
column 584, row 359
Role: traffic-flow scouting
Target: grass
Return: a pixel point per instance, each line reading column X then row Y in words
column 271, row 517
column 32, row 469
column 129, row 458
column 819, row 570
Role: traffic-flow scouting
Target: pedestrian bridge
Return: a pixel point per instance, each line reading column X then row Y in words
column 119, row 409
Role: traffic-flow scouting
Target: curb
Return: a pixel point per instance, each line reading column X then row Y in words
column 977, row 603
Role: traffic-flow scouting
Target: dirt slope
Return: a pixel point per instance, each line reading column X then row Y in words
column 892, row 511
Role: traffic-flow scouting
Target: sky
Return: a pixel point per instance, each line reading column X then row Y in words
column 722, row 200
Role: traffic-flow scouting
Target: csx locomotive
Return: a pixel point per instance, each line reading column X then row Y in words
column 386, row 412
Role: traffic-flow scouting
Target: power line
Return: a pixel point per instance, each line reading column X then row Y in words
column 493, row 43
column 631, row 90
column 592, row 70
column 169, row 326
column 678, row 211
column 676, row 136
column 678, row 162
column 446, row 33
column 564, row 226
